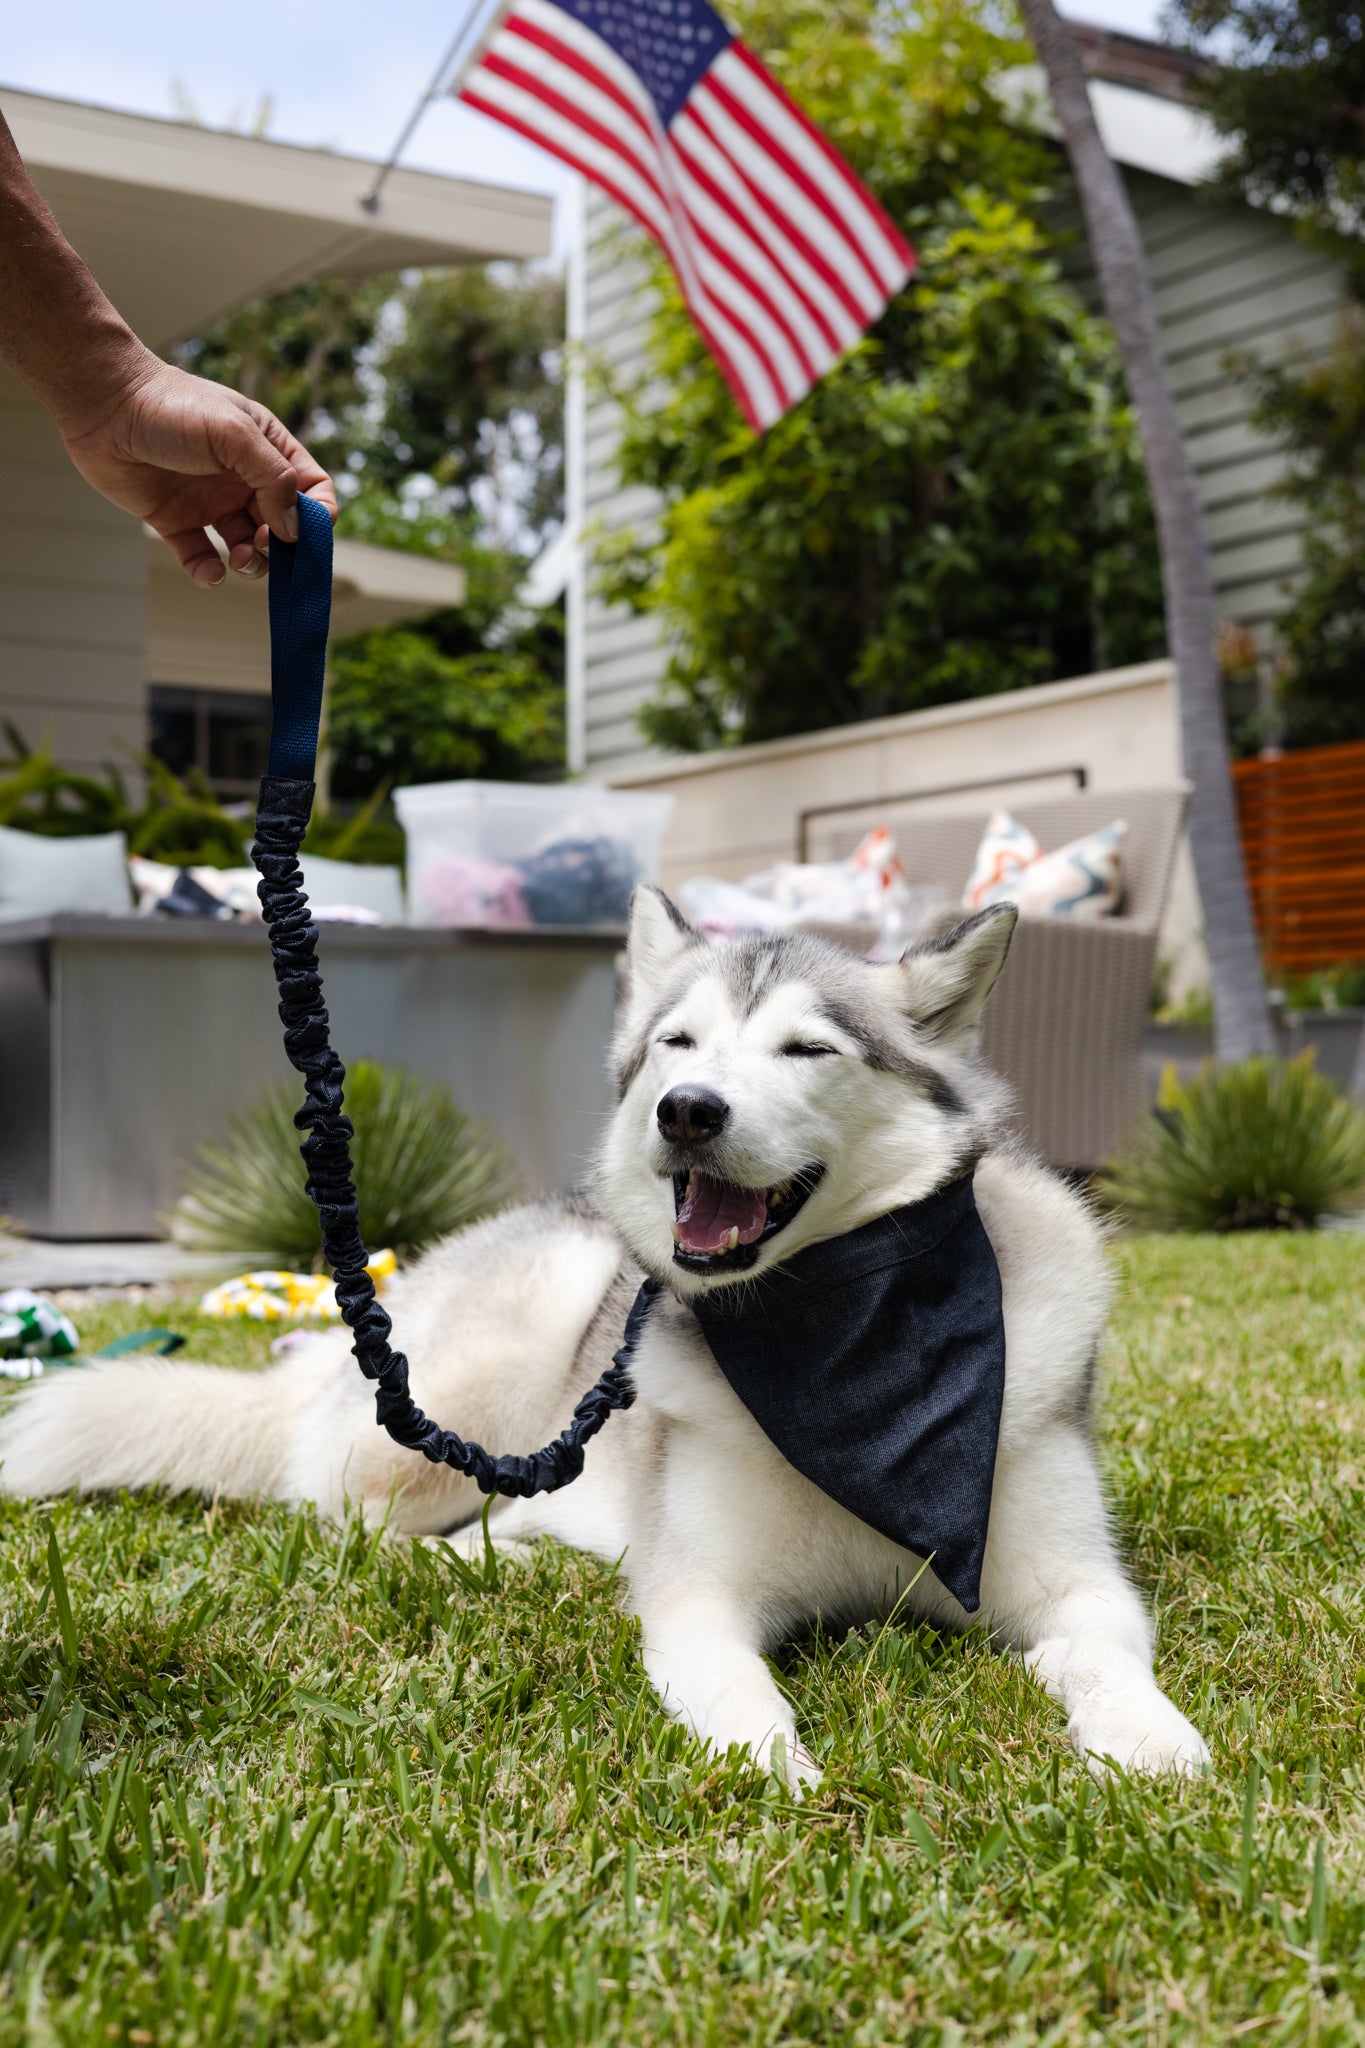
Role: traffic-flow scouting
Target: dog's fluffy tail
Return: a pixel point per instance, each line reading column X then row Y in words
column 148, row 1422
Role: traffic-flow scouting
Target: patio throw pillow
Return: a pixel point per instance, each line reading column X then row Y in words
column 42, row 877
column 1082, row 880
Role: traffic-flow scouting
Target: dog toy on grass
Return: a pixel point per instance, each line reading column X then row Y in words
column 275, row 1297
column 32, row 1329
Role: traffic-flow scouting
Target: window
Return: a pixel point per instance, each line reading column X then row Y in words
column 226, row 735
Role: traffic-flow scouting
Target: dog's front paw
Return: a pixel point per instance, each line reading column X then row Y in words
column 790, row 1760
column 1140, row 1732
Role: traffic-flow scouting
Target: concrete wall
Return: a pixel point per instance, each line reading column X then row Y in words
column 1224, row 279
column 72, row 599
column 740, row 810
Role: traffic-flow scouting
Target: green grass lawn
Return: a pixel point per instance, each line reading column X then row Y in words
column 273, row 1782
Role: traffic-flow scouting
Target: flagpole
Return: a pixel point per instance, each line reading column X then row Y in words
column 369, row 199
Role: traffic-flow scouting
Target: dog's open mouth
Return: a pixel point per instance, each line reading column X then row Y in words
column 719, row 1227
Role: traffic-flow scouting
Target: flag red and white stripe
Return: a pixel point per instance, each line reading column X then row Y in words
column 783, row 256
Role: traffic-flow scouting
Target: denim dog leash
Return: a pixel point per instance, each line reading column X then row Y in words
column 300, row 610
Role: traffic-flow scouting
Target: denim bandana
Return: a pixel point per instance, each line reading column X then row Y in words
column 875, row 1362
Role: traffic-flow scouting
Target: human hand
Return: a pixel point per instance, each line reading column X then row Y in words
column 185, row 454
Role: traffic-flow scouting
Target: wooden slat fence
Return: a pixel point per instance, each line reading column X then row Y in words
column 1303, row 834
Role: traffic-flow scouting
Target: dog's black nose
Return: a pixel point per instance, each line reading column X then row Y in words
column 692, row 1116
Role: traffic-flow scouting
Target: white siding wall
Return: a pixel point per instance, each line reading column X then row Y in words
column 72, row 599
column 620, row 655
column 1223, row 280
column 1228, row 280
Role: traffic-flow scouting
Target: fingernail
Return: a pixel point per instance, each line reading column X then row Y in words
column 291, row 523
column 209, row 574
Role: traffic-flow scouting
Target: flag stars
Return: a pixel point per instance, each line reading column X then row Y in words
column 667, row 43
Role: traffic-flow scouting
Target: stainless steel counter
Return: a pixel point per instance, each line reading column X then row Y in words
column 124, row 1042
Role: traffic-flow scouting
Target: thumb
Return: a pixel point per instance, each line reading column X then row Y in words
column 243, row 444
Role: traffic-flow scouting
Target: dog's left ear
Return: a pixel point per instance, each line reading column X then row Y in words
column 947, row 980
column 659, row 936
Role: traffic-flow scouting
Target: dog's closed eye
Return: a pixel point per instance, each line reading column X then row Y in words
column 800, row 1049
column 679, row 1039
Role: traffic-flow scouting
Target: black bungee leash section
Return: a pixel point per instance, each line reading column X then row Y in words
column 300, row 611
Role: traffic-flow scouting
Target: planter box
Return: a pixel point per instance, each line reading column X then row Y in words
column 124, row 1042
column 1334, row 1036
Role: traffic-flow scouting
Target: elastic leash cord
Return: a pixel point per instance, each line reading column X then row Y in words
column 300, row 610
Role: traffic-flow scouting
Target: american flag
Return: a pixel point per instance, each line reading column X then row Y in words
column 783, row 256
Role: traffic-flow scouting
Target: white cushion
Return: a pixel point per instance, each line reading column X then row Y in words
column 42, row 877
column 350, row 885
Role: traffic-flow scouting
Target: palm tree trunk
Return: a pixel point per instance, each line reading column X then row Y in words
column 1241, row 1016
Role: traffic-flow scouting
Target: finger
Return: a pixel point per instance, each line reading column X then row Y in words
column 238, row 531
column 311, row 479
column 197, row 556
column 242, row 446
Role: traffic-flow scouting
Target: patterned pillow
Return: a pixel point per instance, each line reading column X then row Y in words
column 1083, row 880
column 1006, row 849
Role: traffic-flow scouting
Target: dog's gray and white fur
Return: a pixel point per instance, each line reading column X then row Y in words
column 868, row 1071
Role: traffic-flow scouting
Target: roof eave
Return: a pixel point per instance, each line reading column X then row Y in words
column 1142, row 130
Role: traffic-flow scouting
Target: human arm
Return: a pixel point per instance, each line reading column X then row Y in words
column 177, row 451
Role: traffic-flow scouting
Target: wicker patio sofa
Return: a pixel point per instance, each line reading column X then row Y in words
column 1066, row 1020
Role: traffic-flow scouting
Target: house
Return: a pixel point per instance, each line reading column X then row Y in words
column 103, row 642
column 1223, row 279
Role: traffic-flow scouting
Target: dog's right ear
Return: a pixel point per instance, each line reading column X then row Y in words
column 658, row 938
column 948, row 978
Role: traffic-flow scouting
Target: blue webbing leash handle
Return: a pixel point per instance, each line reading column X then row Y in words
column 300, row 607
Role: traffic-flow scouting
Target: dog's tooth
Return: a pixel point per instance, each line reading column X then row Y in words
column 677, row 1235
column 733, row 1239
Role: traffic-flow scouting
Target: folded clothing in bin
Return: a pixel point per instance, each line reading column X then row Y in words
column 580, row 881
column 571, row 882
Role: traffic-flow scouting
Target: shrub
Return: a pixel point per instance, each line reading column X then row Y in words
column 422, row 1169
column 1264, row 1145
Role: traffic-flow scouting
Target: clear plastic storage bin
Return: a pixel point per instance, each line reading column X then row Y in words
column 507, row 855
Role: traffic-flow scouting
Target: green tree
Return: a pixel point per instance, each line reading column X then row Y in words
column 1316, row 410
column 478, row 691
column 473, row 399
column 437, row 400
column 1287, row 93
column 958, row 508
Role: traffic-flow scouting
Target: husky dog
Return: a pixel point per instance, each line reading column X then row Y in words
column 772, row 1094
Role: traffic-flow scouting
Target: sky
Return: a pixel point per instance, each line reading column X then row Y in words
column 344, row 75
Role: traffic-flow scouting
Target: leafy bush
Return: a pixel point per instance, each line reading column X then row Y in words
column 405, row 709
column 36, row 795
column 1328, row 988
column 422, row 1169
column 1264, row 1145
column 367, row 832
column 184, row 824
column 180, row 819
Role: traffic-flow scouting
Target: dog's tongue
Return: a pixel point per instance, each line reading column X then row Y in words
column 712, row 1210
